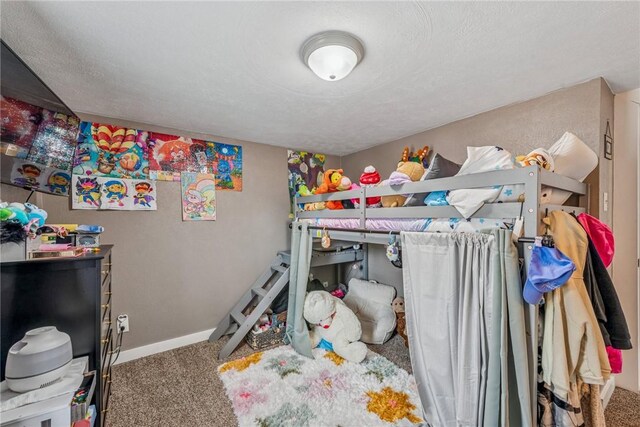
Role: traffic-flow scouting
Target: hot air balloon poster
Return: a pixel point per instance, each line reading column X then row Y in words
column 169, row 155
column 111, row 151
column 226, row 162
column 198, row 196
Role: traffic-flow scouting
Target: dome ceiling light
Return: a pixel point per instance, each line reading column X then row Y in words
column 332, row 55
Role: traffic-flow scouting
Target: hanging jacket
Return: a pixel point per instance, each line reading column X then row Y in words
column 572, row 345
column 605, row 302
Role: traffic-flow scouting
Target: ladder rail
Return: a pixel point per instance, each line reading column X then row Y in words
column 254, row 316
column 226, row 322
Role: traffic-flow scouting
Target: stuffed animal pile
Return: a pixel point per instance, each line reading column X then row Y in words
column 19, row 220
column 410, row 169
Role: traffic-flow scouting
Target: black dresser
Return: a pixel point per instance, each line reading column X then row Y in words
column 73, row 294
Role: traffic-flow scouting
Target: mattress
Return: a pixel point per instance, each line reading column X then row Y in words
column 410, row 224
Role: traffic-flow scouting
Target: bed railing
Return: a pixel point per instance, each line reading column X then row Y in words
column 532, row 177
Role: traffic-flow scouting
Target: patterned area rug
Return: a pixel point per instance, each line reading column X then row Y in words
column 280, row 388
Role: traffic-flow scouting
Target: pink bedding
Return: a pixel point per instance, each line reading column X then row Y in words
column 382, row 224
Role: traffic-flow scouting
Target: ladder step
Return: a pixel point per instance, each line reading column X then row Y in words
column 238, row 317
column 259, row 292
column 279, row 268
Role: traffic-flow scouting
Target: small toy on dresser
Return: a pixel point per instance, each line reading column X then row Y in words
column 401, row 320
column 334, row 327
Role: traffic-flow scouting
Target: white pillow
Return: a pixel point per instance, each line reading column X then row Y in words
column 572, row 158
column 479, row 159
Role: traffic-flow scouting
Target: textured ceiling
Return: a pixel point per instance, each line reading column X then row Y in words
column 233, row 69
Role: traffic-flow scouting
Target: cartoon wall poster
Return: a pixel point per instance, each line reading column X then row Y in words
column 57, row 181
column 198, row 196
column 113, row 151
column 28, row 174
column 164, row 176
column 226, row 161
column 170, row 153
column 19, row 125
column 144, row 195
column 86, row 192
column 55, row 142
column 304, row 169
column 115, row 194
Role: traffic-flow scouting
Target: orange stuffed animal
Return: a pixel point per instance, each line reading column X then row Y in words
column 330, row 182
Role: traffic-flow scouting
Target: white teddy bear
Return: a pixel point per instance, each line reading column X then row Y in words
column 335, row 323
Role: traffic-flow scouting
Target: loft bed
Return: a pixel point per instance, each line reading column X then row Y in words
column 373, row 225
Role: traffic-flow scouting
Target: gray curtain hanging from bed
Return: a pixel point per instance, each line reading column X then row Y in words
column 465, row 322
column 297, row 333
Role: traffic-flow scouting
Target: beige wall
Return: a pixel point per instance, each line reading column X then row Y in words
column 625, row 225
column 518, row 128
column 176, row 278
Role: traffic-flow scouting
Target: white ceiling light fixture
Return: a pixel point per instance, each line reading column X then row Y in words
column 332, row 55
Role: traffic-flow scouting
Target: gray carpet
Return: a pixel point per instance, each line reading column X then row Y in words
column 181, row 388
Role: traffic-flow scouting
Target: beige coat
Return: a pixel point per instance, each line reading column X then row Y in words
column 572, row 344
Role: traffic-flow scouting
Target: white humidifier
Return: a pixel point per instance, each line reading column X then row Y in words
column 39, row 359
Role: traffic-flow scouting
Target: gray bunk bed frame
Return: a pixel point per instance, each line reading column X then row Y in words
column 532, row 212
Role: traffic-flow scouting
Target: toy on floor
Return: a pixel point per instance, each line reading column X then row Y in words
column 407, row 171
column 369, row 178
column 401, row 320
column 335, row 324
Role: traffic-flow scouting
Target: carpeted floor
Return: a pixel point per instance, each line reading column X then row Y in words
column 181, row 388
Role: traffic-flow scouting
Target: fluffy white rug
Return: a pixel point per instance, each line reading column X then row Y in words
column 281, row 388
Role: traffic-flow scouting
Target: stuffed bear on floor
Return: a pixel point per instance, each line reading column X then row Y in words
column 334, row 326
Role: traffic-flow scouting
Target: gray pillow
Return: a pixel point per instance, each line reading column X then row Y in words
column 439, row 168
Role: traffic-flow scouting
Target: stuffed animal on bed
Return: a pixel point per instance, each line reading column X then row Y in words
column 334, row 326
column 369, row 178
column 331, row 179
column 540, row 157
column 407, row 171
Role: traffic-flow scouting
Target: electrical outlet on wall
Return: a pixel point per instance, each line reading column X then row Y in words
column 123, row 323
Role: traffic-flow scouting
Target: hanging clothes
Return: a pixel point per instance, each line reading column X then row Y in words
column 465, row 323
column 573, row 349
column 615, row 330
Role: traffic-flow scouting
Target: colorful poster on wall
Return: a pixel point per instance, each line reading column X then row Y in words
column 57, row 181
column 226, row 162
column 112, row 151
column 19, row 125
column 198, row 196
column 86, row 192
column 304, row 169
column 28, row 174
column 115, row 194
column 169, row 155
column 55, row 142
column 144, row 195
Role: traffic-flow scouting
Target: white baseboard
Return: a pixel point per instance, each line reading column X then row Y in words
column 159, row 347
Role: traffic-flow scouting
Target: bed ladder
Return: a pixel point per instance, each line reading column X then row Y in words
column 235, row 321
